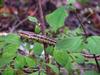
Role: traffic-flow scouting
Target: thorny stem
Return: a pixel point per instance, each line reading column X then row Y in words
column 98, row 66
column 42, row 23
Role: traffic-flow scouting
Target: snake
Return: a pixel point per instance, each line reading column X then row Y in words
column 47, row 40
column 88, row 12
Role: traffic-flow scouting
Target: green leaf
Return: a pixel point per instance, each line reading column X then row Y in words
column 11, row 45
column 37, row 29
column 2, row 44
column 69, row 66
column 38, row 48
column 54, row 68
column 2, row 38
column 6, row 59
column 50, row 50
column 57, row 18
column 71, row 1
column 93, row 44
column 37, row 73
column 91, row 62
column 11, row 48
column 8, row 54
column 9, row 39
column 8, row 71
column 30, row 62
column 73, row 44
column 61, row 57
column 20, row 61
column 12, row 38
column 79, row 57
column 1, row 3
column 91, row 73
column 77, row 31
column 33, row 19
column 83, row 1
column 27, row 46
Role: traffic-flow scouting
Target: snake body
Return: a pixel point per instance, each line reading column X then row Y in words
column 87, row 12
column 37, row 37
column 47, row 40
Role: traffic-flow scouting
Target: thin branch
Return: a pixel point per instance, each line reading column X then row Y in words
column 41, row 17
column 82, row 25
column 98, row 66
column 94, row 56
column 39, row 70
column 42, row 23
column 17, row 25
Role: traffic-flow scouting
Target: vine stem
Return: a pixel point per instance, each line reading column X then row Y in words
column 42, row 24
column 98, row 66
column 82, row 25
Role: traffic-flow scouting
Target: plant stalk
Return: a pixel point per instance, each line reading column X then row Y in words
column 42, row 24
column 98, row 66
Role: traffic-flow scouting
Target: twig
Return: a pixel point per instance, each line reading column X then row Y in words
column 39, row 73
column 94, row 56
column 17, row 25
column 42, row 23
column 41, row 17
column 12, row 29
column 98, row 66
column 82, row 25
